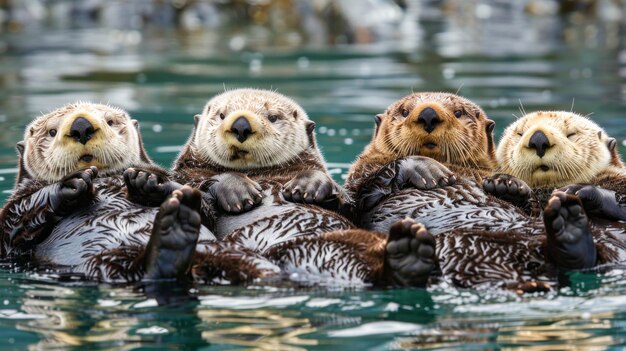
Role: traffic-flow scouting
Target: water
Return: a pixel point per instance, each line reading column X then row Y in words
column 493, row 52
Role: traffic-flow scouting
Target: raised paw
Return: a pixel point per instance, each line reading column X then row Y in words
column 147, row 188
column 570, row 243
column 507, row 187
column 174, row 236
column 236, row 193
column 409, row 254
column 74, row 191
column 312, row 187
column 422, row 173
column 512, row 190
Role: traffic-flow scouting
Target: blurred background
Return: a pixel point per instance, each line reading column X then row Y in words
column 344, row 61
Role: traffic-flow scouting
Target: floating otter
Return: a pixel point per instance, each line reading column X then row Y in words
column 254, row 153
column 73, row 208
column 392, row 179
column 547, row 150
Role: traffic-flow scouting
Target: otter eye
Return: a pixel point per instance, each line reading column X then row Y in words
column 458, row 113
column 222, row 116
column 570, row 135
column 52, row 132
column 520, row 133
column 110, row 122
column 405, row 112
column 272, row 118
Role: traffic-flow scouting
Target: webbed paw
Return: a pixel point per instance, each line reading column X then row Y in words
column 569, row 240
column 508, row 188
column 422, row 173
column 74, row 191
column 409, row 254
column 174, row 236
column 312, row 187
column 236, row 193
column 147, row 188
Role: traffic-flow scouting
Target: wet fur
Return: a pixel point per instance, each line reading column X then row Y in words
column 480, row 238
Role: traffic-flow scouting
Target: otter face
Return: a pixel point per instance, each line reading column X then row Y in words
column 445, row 127
column 78, row 136
column 553, row 149
column 247, row 129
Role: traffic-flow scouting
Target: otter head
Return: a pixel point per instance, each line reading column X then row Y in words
column 78, row 136
column 248, row 129
column 443, row 126
column 553, row 149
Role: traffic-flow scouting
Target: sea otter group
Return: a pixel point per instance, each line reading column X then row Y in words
column 249, row 198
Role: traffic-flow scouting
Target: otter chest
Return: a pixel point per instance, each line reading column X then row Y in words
column 110, row 222
column 276, row 221
column 461, row 206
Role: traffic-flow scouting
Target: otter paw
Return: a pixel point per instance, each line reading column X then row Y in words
column 423, row 173
column 409, row 254
column 508, row 188
column 598, row 202
column 174, row 236
column 311, row 187
column 569, row 240
column 74, row 191
column 147, row 188
column 236, row 193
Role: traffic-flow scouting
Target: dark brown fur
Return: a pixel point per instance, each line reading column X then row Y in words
column 191, row 170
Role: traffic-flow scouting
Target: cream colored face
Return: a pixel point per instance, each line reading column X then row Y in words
column 277, row 130
column 78, row 136
column 442, row 126
column 572, row 149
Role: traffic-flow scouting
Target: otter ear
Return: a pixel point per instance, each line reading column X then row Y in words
column 616, row 160
column 295, row 114
column 310, row 127
column 491, row 145
column 143, row 155
column 378, row 119
column 22, row 173
column 611, row 143
column 20, row 148
column 490, row 126
column 196, row 120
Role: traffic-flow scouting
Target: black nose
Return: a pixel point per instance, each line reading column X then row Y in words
column 82, row 130
column 539, row 142
column 241, row 128
column 430, row 118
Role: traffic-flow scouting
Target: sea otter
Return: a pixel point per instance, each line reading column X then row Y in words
column 72, row 208
column 254, row 152
column 545, row 150
column 427, row 160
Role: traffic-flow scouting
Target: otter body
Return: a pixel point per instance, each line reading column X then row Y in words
column 255, row 152
column 77, row 207
column 82, row 242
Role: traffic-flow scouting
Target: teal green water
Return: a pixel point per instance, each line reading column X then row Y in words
column 167, row 76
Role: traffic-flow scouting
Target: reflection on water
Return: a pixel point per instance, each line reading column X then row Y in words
column 163, row 60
